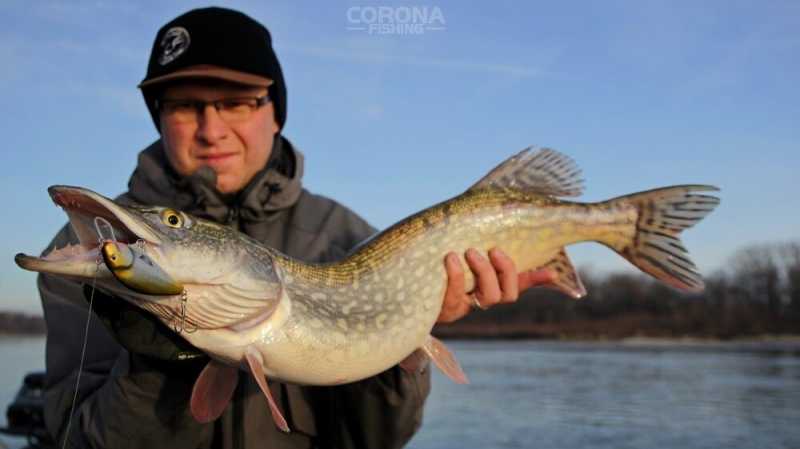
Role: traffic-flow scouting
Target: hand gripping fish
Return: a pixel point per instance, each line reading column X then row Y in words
column 261, row 311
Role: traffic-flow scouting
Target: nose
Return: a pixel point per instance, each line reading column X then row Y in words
column 210, row 126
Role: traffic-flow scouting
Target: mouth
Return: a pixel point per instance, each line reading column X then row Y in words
column 95, row 219
column 216, row 158
column 215, row 155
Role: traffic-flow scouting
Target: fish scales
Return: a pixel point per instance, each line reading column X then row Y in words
column 483, row 220
column 519, row 223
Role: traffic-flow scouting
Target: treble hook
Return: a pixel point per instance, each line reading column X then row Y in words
column 182, row 327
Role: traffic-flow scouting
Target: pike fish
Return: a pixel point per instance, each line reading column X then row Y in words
column 252, row 308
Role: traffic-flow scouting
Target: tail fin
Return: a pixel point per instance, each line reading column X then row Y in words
column 662, row 214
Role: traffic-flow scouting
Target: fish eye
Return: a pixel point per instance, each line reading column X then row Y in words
column 171, row 218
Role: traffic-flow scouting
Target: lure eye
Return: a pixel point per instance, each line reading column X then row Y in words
column 172, row 218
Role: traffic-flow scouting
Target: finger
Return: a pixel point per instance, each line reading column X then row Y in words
column 455, row 275
column 487, row 288
column 533, row 278
column 456, row 303
column 506, row 275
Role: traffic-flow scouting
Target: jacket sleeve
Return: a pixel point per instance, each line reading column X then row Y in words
column 116, row 388
column 383, row 411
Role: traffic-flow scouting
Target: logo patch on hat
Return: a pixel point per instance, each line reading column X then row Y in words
column 173, row 44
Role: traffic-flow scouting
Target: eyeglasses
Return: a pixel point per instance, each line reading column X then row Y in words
column 230, row 110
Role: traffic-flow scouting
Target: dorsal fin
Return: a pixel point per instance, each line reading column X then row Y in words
column 538, row 170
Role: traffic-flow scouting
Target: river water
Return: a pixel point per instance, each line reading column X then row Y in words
column 585, row 395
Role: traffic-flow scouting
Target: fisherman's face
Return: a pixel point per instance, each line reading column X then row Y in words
column 235, row 150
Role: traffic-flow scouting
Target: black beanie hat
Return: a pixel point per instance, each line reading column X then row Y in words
column 216, row 43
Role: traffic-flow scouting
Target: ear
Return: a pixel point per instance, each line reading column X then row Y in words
column 274, row 127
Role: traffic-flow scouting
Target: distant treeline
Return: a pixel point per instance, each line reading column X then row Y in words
column 19, row 323
column 757, row 293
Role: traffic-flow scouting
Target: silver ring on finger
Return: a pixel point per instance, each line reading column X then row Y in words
column 476, row 304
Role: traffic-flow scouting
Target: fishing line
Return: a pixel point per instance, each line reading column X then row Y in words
column 85, row 335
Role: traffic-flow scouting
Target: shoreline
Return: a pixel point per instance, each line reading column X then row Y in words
column 634, row 340
column 764, row 345
column 16, row 324
column 21, row 324
column 788, row 339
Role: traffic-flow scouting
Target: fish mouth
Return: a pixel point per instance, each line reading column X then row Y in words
column 95, row 219
column 87, row 210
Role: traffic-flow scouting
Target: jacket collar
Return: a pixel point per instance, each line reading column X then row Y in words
column 277, row 186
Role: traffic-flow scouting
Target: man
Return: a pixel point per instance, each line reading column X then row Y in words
column 216, row 93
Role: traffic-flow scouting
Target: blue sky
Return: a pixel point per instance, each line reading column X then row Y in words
column 640, row 93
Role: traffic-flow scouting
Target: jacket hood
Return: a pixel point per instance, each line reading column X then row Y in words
column 277, row 186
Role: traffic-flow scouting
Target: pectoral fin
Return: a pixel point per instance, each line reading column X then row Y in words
column 567, row 279
column 254, row 360
column 213, row 391
column 444, row 360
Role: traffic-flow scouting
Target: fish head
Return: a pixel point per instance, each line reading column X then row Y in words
column 152, row 254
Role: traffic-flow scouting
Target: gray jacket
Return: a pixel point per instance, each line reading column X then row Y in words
column 125, row 401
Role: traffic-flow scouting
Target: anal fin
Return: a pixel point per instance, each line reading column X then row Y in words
column 255, row 361
column 567, row 279
column 213, row 391
column 444, row 360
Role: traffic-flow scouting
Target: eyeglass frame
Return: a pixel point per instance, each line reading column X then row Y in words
column 200, row 105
